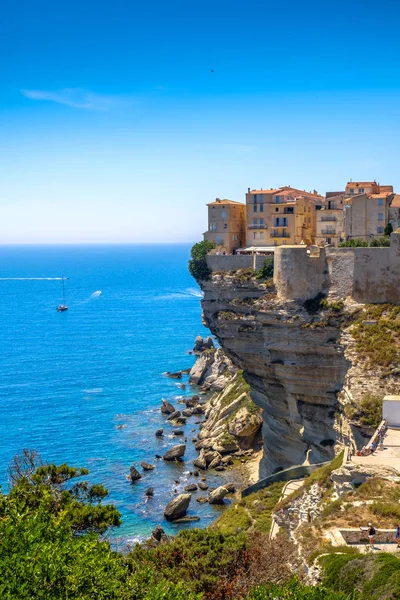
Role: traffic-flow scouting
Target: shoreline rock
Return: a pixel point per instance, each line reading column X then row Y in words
column 177, row 507
column 134, row 474
column 175, row 453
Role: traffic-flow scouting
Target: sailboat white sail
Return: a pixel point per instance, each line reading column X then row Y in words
column 62, row 307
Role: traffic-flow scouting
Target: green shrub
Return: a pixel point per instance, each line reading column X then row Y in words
column 198, row 267
column 355, row 243
column 197, row 556
column 267, row 270
column 313, row 305
column 294, row 590
column 375, row 577
column 369, row 411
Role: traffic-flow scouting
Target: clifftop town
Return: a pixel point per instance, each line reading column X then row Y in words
column 287, row 215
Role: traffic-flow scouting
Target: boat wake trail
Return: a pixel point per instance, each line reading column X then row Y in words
column 187, row 293
column 91, row 297
column 30, row 278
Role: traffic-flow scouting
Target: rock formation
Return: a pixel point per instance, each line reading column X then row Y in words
column 175, row 453
column 134, row 474
column 167, row 407
column 293, row 361
column 217, row 496
column 177, row 507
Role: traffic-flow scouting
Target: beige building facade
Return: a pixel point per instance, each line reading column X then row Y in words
column 226, row 225
column 281, row 216
column 330, row 221
column 366, row 216
column 394, row 211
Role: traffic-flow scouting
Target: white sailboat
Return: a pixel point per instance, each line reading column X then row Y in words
column 62, row 307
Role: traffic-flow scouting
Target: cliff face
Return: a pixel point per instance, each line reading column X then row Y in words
column 294, row 362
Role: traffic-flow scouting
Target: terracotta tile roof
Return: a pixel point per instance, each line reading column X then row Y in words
column 395, row 203
column 265, row 191
column 381, row 195
column 219, row 201
column 360, row 183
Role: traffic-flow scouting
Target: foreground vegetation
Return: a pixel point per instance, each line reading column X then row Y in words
column 50, row 527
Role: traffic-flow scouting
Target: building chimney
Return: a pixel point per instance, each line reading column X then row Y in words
column 248, row 190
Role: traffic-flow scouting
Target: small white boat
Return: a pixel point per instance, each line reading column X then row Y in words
column 62, row 307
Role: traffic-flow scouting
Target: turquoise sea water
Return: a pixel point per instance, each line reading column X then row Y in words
column 68, row 380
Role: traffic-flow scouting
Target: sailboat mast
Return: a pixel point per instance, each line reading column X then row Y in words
column 63, row 291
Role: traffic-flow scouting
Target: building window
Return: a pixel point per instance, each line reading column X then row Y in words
column 380, row 217
column 261, row 198
column 220, row 241
column 277, row 209
column 261, row 207
column 213, row 227
column 255, row 198
column 261, row 235
column 225, row 225
column 380, row 229
column 235, row 238
column 255, row 235
column 351, row 191
column 361, row 191
column 277, row 199
column 380, row 201
column 223, row 214
column 261, row 221
column 254, row 221
column 254, row 207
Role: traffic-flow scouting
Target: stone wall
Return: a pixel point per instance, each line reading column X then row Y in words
column 368, row 275
column 231, row 262
column 298, row 275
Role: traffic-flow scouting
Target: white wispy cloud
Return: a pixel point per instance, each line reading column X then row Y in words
column 78, row 98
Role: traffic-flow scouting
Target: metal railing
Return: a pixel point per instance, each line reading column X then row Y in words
column 259, row 226
column 328, row 231
column 329, row 218
column 275, row 234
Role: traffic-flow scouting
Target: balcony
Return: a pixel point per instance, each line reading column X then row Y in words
column 282, row 234
column 328, row 218
column 259, row 226
column 328, row 232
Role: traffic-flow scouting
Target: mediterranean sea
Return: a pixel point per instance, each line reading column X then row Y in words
column 85, row 386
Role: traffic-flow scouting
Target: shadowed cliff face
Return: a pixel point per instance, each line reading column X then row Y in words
column 293, row 362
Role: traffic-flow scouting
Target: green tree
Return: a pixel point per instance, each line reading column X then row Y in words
column 49, row 545
column 198, row 267
column 388, row 229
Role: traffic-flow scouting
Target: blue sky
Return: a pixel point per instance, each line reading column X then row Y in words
column 113, row 127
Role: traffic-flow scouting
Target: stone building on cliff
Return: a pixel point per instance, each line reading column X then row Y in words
column 226, row 225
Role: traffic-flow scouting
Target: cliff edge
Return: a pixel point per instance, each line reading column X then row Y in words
column 300, row 360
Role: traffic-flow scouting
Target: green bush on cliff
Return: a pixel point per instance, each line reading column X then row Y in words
column 49, row 545
column 198, row 267
column 295, row 590
column 379, row 242
column 374, row 577
column 267, row 270
column 369, row 412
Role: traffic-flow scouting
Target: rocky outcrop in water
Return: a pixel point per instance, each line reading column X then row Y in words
column 175, row 453
column 212, row 370
column 177, row 507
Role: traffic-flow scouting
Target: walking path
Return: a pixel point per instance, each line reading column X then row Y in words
column 290, row 487
column 389, row 456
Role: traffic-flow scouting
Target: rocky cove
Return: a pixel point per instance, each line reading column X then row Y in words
column 209, row 443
